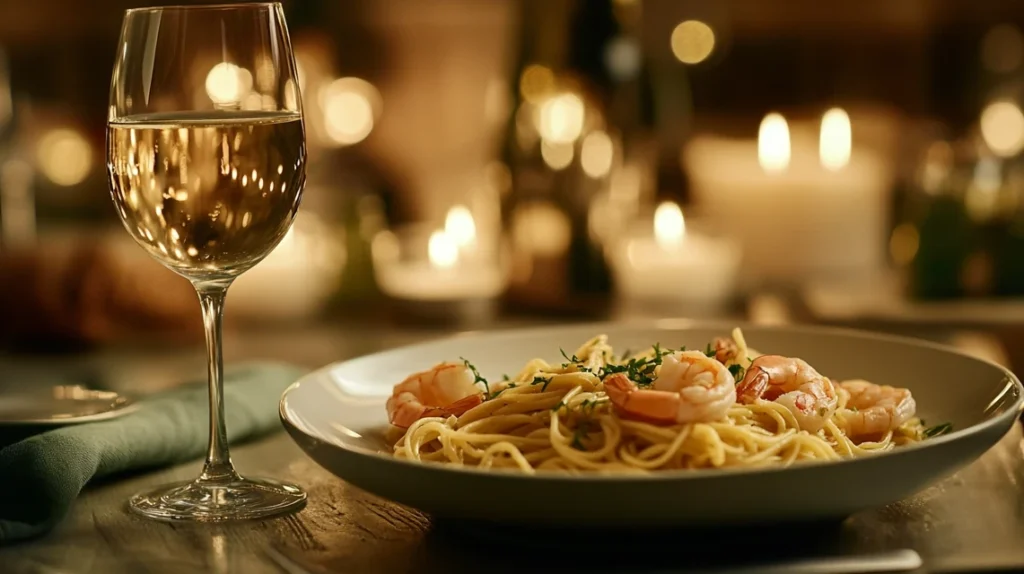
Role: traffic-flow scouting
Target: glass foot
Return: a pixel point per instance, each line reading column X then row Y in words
column 219, row 501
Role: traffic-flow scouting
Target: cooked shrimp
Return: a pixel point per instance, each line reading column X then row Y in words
column 793, row 384
column 689, row 387
column 733, row 350
column 445, row 390
column 726, row 350
column 874, row 410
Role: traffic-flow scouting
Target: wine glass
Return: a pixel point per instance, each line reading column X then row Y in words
column 206, row 158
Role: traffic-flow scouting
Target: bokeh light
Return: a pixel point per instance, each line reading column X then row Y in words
column 596, row 154
column 227, row 84
column 64, row 156
column 536, row 83
column 1002, row 49
column 350, row 106
column 459, row 225
column 558, row 156
column 669, row 226
column 1002, row 128
column 561, row 118
column 692, row 41
column 773, row 148
column 442, row 250
column 835, row 141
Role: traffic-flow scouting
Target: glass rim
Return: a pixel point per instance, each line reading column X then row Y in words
column 200, row 7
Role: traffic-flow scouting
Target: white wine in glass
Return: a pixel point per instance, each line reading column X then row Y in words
column 206, row 158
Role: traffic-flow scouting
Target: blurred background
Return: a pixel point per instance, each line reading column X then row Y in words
column 481, row 163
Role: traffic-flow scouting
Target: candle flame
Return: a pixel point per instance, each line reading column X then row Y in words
column 669, row 225
column 773, row 143
column 836, row 140
column 442, row 250
column 459, row 225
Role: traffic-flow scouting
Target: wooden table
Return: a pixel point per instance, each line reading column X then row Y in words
column 971, row 521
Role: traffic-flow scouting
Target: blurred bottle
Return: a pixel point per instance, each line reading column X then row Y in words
column 581, row 106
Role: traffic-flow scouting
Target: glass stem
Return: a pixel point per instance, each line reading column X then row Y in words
column 218, row 466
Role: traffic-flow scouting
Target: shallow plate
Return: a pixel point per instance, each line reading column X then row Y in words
column 60, row 405
column 337, row 416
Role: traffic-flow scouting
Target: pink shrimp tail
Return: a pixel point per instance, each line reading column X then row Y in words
column 753, row 386
column 455, row 409
column 637, row 404
column 618, row 387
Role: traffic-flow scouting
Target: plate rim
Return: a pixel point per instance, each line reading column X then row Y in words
column 127, row 408
column 1003, row 420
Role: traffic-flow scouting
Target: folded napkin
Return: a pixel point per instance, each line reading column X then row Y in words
column 40, row 476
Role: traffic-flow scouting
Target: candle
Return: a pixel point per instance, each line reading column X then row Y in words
column 675, row 265
column 801, row 211
column 449, row 266
column 296, row 279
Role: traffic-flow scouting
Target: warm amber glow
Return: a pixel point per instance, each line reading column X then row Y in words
column 541, row 229
column 1002, row 128
column 596, row 154
column 558, row 156
column 561, row 118
column 459, row 225
column 64, row 157
column 836, row 140
column 227, row 83
column 1002, row 49
column 692, row 41
column 773, row 143
column 442, row 250
column 349, row 108
column 536, row 82
column 669, row 226
column 904, row 243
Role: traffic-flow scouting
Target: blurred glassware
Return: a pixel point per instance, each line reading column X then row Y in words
column 578, row 150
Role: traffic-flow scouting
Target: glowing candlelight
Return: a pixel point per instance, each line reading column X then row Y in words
column 773, row 148
column 669, row 226
column 836, row 140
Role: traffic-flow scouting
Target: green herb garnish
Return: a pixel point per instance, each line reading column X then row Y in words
column 478, row 379
column 937, row 430
column 737, row 372
column 709, row 351
column 580, row 433
column 539, row 380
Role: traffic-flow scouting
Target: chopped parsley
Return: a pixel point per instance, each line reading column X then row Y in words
column 579, row 434
column 638, row 370
column 478, row 379
column 737, row 372
column 506, row 378
column 540, row 380
column 937, row 430
column 709, row 351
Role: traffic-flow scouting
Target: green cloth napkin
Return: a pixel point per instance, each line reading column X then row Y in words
column 40, row 476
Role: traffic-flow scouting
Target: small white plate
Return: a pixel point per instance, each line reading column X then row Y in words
column 57, row 405
column 337, row 416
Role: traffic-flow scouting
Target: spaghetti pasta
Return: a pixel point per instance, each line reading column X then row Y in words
column 558, row 417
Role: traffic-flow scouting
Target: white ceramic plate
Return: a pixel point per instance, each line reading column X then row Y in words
column 337, row 416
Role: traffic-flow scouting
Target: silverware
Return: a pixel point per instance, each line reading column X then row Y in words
column 903, row 560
